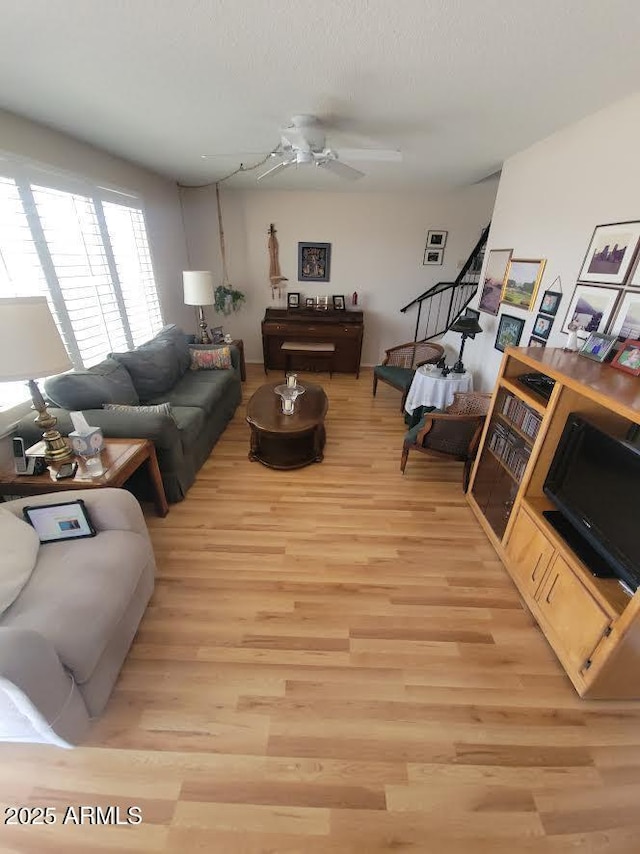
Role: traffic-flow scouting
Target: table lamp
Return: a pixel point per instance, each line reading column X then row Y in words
column 469, row 327
column 198, row 291
column 31, row 346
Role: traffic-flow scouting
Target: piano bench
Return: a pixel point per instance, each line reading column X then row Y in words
column 318, row 350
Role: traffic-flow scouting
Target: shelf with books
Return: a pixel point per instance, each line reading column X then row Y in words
column 519, row 416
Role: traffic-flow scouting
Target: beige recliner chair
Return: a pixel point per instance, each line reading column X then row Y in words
column 66, row 634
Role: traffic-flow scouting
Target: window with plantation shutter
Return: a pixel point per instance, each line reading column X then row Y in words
column 89, row 255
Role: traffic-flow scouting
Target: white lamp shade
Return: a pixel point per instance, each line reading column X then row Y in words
column 198, row 287
column 30, row 344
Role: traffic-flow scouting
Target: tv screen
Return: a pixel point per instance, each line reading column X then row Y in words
column 593, row 482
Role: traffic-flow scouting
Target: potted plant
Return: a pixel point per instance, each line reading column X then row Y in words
column 227, row 299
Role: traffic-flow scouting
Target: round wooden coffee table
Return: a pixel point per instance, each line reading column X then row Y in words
column 287, row 441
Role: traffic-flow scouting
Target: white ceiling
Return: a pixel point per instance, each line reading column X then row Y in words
column 457, row 85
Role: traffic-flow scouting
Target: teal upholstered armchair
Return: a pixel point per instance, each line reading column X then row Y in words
column 400, row 363
column 454, row 433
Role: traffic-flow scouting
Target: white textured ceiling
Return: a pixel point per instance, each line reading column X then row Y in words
column 457, row 85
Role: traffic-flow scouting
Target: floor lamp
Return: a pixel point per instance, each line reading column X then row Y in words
column 31, row 346
column 198, row 291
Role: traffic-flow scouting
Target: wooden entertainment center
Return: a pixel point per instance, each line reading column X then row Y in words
column 592, row 624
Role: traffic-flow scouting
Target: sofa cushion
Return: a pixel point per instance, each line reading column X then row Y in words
column 154, row 367
column 106, row 382
column 212, row 359
column 203, row 389
column 190, row 421
column 77, row 594
column 20, row 545
column 181, row 342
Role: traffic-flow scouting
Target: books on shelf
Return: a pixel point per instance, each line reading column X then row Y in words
column 510, row 448
column 521, row 415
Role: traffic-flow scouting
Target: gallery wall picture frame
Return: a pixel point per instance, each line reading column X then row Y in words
column 293, row 299
column 597, row 346
column 432, row 256
column 542, row 326
column 550, row 303
column 626, row 323
column 628, row 358
column 338, row 302
column 436, row 238
column 591, row 308
column 536, row 342
column 493, row 282
column 509, row 332
column 522, row 281
column 610, row 253
column 314, row 262
column 634, row 281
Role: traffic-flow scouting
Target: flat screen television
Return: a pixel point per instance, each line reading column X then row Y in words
column 593, row 481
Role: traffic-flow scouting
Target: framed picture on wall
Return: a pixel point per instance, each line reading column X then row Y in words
column 610, row 253
column 509, row 332
column 550, row 303
column 494, row 274
column 536, row 342
column 436, row 239
column 433, row 256
column 522, row 282
column 314, row 261
column 627, row 320
column 590, row 308
column 542, row 326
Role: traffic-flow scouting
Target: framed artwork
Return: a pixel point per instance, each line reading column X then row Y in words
column 217, row 334
column 509, row 332
column 542, row 326
column 494, row 276
column 634, row 282
column 628, row 358
column 550, row 303
column 293, row 300
column 322, row 303
column 314, row 261
column 590, row 308
column 597, row 346
column 310, row 302
column 433, row 256
column 436, row 239
column 338, row 302
column 610, row 253
column 627, row 320
column 522, row 282
column 536, row 342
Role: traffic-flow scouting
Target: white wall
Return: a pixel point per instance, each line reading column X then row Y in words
column 377, row 245
column 550, row 198
column 26, row 139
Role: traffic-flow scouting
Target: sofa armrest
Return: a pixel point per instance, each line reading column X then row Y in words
column 37, row 695
column 109, row 509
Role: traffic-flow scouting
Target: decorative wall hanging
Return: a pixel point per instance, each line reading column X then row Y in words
column 522, row 282
column 590, row 308
column 275, row 276
column 627, row 320
column 610, row 253
column 436, row 239
column 314, row 262
column 433, row 256
column 494, row 276
column 542, row 326
column 509, row 332
column 550, row 303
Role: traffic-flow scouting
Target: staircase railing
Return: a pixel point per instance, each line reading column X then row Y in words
column 445, row 301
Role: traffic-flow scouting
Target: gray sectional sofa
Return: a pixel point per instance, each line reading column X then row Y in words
column 202, row 404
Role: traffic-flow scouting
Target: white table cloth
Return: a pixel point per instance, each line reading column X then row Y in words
column 430, row 388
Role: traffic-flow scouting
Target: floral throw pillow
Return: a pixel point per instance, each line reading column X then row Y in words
column 216, row 359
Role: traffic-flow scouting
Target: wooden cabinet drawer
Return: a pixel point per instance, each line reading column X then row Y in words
column 529, row 554
column 577, row 621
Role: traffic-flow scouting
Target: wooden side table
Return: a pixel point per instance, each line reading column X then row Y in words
column 120, row 458
column 239, row 343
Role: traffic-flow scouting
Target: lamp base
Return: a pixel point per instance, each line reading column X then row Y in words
column 203, row 337
column 56, row 449
column 458, row 368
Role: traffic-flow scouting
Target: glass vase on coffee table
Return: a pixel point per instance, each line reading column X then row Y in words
column 289, row 393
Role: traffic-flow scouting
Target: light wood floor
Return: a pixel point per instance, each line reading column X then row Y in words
column 334, row 660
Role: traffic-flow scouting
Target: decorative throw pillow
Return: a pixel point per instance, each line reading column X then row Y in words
column 157, row 408
column 215, row 359
column 18, row 556
column 107, row 382
column 154, row 367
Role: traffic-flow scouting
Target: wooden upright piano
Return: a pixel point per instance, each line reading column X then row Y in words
column 342, row 328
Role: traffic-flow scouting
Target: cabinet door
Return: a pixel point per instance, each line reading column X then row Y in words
column 573, row 615
column 529, row 554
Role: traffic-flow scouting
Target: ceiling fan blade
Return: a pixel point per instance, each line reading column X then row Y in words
column 388, row 155
column 277, row 168
column 340, row 169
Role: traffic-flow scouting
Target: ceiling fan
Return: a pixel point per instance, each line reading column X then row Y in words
column 303, row 142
